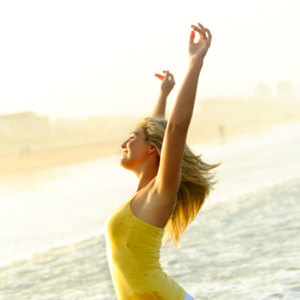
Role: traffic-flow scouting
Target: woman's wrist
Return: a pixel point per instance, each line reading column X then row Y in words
column 196, row 63
column 163, row 94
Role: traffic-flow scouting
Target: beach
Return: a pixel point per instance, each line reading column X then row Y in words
column 214, row 122
column 89, row 89
column 243, row 244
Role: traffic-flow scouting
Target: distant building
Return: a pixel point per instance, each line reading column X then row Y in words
column 284, row 90
column 24, row 125
column 67, row 126
column 262, row 92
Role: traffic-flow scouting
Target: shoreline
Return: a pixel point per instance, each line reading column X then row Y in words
column 13, row 164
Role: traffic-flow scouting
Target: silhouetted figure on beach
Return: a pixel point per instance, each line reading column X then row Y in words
column 222, row 134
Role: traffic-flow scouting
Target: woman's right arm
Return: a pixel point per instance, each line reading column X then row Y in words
column 167, row 85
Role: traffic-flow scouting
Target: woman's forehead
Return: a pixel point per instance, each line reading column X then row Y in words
column 137, row 130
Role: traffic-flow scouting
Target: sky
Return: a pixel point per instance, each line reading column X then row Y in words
column 81, row 58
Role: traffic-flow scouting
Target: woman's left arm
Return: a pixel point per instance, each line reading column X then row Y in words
column 169, row 172
column 184, row 104
column 167, row 85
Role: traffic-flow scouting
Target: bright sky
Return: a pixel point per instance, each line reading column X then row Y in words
column 79, row 58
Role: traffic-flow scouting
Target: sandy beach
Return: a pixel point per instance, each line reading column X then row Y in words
column 61, row 156
column 14, row 163
column 211, row 117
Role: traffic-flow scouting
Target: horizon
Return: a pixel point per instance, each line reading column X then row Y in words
column 120, row 114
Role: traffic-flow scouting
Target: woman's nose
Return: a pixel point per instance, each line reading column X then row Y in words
column 123, row 145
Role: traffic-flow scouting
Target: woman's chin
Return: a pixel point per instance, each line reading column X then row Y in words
column 123, row 162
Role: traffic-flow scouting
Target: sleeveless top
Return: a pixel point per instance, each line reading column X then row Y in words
column 133, row 251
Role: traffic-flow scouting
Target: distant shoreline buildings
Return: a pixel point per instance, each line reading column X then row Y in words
column 25, row 133
column 284, row 92
column 25, row 124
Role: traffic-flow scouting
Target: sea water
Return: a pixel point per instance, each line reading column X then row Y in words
column 243, row 244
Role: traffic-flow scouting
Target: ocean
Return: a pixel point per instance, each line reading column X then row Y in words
column 243, row 244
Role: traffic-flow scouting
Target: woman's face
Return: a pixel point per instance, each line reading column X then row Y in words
column 134, row 149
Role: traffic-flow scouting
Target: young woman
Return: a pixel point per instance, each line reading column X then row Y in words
column 172, row 186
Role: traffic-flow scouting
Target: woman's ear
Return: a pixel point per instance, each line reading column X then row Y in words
column 152, row 150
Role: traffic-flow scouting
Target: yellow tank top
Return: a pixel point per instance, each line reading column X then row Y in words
column 133, row 250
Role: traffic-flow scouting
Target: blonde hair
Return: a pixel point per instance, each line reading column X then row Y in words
column 196, row 181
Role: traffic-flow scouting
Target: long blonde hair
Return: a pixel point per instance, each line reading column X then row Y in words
column 196, row 181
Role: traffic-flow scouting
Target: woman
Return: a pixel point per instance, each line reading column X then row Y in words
column 173, row 183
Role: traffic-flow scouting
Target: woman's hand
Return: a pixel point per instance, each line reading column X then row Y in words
column 167, row 85
column 168, row 82
column 197, row 51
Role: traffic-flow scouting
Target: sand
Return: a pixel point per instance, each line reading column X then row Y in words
column 60, row 156
column 101, row 137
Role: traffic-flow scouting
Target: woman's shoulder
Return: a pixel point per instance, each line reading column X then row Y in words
column 153, row 207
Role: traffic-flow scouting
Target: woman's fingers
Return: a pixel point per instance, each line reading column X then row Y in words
column 197, row 50
column 209, row 34
column 161, row 77
column 172, row 79
column 192, row 37
column 201, row 31
column 206, row 30
column 168, row 76
column 200, row 25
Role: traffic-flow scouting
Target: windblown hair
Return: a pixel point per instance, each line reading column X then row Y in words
column 196, row 181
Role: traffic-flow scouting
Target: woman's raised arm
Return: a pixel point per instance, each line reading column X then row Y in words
column 167, row 85
column 184, row 104
column 169, row 173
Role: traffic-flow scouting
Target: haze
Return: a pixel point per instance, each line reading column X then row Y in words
column 82, row 58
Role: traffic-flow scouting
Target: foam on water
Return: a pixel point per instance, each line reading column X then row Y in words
column 245, row 250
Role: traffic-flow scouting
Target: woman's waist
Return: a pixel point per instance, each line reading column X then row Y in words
column 146, row 258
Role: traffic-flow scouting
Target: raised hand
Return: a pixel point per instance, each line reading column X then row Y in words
column 168, row 82
column 197, row 51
